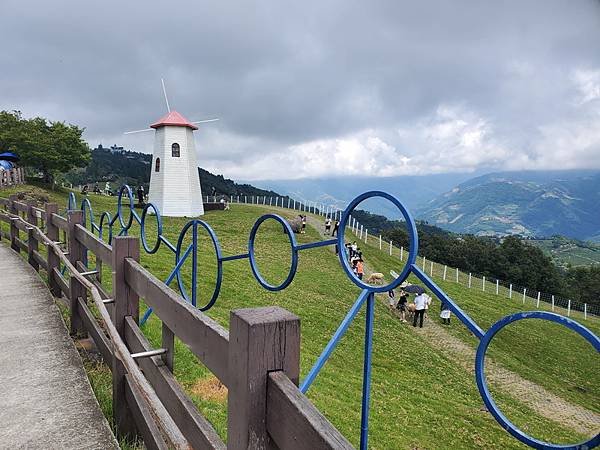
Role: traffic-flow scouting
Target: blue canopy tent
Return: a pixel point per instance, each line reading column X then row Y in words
column 6, row 165
column 9, row 156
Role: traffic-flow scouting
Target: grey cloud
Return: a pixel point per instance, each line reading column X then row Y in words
column 282, row 74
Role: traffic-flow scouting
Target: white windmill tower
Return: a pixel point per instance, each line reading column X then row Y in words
column 174, row 180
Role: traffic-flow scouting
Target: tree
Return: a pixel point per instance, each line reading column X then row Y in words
column 49, row 147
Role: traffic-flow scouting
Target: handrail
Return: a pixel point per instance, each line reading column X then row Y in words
column 169, row 429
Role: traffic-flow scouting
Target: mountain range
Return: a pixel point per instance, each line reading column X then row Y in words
column 526, row 203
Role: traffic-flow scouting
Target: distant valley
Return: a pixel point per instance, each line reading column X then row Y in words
column 530, row 204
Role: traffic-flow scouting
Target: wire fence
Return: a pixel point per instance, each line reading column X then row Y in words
column 501, row 288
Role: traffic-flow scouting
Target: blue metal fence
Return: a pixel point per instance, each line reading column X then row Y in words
column 121, row 225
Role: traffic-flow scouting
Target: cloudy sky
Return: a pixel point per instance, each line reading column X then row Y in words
column 319, row 88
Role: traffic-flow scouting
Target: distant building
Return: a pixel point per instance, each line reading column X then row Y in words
column 174, row 180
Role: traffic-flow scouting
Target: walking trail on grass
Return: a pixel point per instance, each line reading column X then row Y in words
column 543, row 402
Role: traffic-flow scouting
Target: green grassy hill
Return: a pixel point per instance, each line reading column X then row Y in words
column 423, row 394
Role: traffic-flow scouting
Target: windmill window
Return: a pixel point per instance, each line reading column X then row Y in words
column 175, row 150
column 157, row 165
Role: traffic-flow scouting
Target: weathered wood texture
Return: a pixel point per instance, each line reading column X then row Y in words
column 96, row 332
column 206, row 338
column 93, row 244
column 260, row 340
column 126, row 303
column 53, row 259
column 294, row 423
column 77, row 290
column 197, row 430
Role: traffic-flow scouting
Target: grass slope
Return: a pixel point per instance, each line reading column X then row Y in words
column 421, row 398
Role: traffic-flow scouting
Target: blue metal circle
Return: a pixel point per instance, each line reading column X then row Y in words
column 158, row 228
column 485, row 393
column 106, row 215
column 251, row 253
column 412, row 237
column 120, row 207
column 87, row 206
column 194, row 225
column 72, row 203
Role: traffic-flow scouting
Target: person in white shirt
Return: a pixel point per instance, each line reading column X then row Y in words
column 420, row 305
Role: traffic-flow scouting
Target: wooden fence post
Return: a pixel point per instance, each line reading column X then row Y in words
column 126, row 303
column 14, row 231
column 32, row 243
column 261, row 340
column 53, row 261
column 457, row 274
column 445, row 270
column 76, row 253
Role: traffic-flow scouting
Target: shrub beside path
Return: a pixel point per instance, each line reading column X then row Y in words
column 543, row 402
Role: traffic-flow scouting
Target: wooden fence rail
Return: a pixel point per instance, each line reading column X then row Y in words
column 257, row 359
column 12, row 176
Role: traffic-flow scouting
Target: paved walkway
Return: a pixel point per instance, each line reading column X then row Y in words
column 45, row 398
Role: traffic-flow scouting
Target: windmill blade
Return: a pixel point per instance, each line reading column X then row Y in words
column 139, row 131
column 206, row 120
column 165, row 92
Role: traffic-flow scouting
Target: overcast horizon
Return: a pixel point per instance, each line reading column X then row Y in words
column 318, row 89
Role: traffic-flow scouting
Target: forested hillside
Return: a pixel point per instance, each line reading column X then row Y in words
column 511, row 258
column 120, row 166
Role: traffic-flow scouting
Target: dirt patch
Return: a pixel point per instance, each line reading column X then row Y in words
column 210, row 389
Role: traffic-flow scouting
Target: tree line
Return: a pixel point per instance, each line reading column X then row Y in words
column 509, row 259
column 46, row 147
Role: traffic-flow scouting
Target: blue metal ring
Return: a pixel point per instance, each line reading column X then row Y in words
column 143, row 229
column 72, row 203
column 485, row 393
column 294, row 246
column 106, row 215
column 412, row 238
column 194, row 224
column 120, row 207
column 87, row 206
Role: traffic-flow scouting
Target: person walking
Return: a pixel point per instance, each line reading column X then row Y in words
column 420, row 303
column 303, row 231
column 140, row 195
column 336, row 227
column 401, row 306
column 391, row 299
column 445, row 313
column 327, row 225
column 360, row 269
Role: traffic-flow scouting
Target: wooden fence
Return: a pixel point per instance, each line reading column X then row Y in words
column 257, row 359
column 12, row 177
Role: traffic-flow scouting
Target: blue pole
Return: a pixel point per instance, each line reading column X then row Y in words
column 333, row 341
column 366, row 394
column 194, row 262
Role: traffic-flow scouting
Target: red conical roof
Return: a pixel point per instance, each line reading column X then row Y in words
column 173, row 119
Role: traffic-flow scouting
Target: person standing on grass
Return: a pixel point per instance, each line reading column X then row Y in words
column 420, row 303
column 303, row 225
column 392, row 298
column 445, row 313
column 401, row 306
column 360, row 269
column 336, row 227
column 327, row 225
